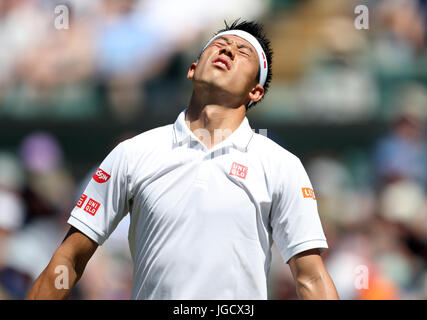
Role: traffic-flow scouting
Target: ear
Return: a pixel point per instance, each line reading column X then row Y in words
column 256, row 93
column 191, row 70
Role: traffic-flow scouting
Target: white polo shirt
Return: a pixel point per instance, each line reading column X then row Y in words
column 202, row 221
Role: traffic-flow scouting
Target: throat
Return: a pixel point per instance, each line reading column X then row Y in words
column 212, row 124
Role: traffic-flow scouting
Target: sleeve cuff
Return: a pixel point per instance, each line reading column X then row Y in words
column 84, row 228
column 288, row 253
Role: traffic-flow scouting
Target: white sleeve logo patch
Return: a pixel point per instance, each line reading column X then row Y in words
column 101, row 176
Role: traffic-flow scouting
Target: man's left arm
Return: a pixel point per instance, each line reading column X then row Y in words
column 312, row 280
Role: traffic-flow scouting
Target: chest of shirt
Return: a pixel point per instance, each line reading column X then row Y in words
column 226, row 187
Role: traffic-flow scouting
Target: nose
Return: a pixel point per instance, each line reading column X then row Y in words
column 229, row 51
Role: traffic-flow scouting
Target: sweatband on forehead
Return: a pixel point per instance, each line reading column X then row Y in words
column 263, row 66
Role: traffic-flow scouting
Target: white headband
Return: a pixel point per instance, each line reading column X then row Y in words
column 263, row 66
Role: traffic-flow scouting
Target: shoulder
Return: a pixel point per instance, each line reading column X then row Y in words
column 148, row 139
column 280, row 167
column 271, row 152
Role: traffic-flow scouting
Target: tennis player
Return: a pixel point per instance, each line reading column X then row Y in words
column 206, row 195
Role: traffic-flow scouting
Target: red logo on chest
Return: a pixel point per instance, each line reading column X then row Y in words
column 238, row 170
column 101, row 176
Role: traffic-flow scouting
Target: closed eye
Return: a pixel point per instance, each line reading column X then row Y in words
column 219, row 43
column 244, row 52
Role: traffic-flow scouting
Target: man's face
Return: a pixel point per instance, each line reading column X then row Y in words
column 229, row 63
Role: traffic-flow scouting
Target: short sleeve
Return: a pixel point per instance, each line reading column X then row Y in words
column 295, row 221
column 104, row 202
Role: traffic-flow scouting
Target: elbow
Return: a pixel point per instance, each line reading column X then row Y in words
column 309, row 283
column 317, row 286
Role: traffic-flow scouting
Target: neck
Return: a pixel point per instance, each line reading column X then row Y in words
column 212, row 123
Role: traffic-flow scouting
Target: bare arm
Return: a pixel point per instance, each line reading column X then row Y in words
column 72, row 255
column 311, row 277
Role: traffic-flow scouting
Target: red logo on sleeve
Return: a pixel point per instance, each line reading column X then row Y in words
column 238, row 170
column 81, row 200
column 308, row 193
column 101, row 176
column 92, row 206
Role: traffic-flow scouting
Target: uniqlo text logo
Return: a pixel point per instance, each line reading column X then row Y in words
column 101, row 176
column 238, row 170
column 308, row 193
column 81, row 200
column 92, row 206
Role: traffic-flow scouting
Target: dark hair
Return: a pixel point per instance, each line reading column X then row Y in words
column 255, row 29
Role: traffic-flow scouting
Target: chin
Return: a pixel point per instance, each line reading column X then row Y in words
column 215, row 83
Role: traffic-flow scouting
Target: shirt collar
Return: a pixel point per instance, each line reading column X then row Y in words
column 240, row 137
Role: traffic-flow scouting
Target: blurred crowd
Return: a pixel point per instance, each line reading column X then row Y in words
column 58, row 63
column 372, row 200
column 373, row 206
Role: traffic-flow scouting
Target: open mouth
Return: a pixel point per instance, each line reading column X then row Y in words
column 224, row 64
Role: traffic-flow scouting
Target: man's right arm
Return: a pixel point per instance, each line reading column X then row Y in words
column 72, row 256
